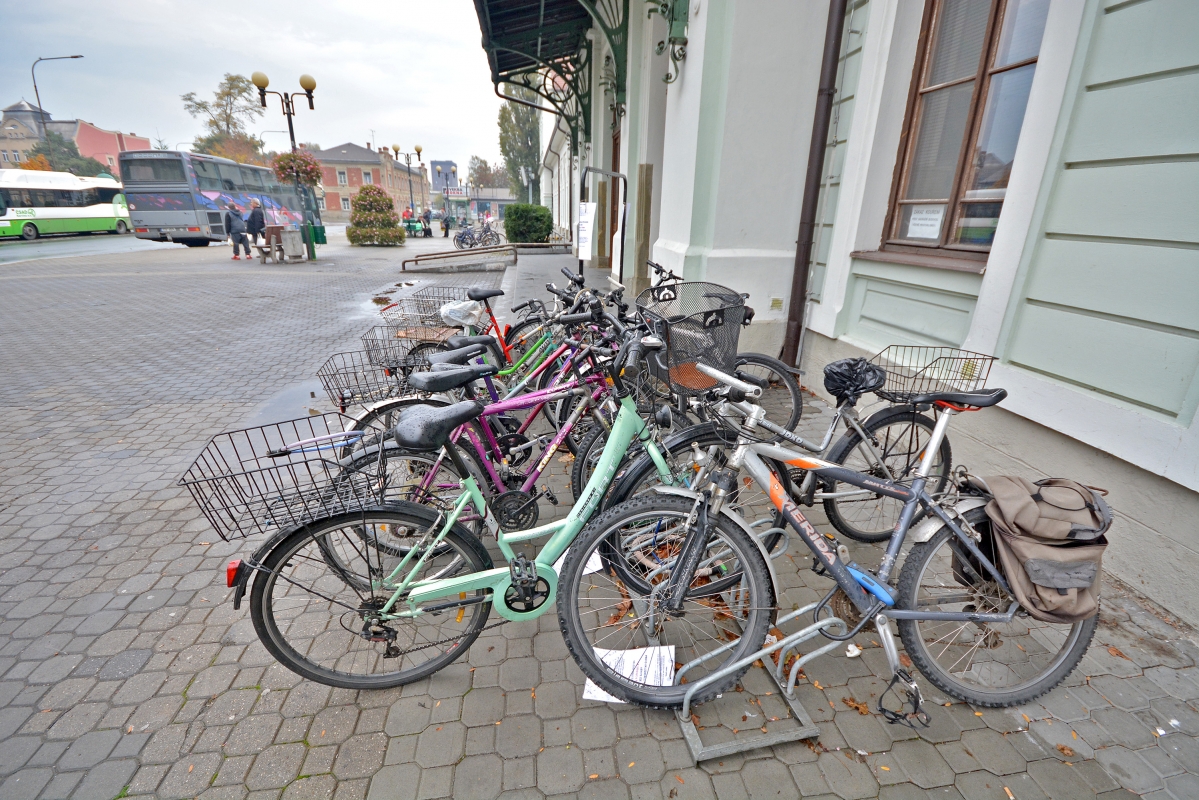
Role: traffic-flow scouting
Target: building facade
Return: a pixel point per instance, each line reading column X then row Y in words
column 348, row 167
column 1010, row 177
column 20, row 129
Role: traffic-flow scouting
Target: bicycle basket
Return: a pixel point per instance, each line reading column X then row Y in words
column 428, row 301
column 408, row 320
column 387, row 346
column 282, row 476
column 915, row 370
column 700, row 323
column 353, row 379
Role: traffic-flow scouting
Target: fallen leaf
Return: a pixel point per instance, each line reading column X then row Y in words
column 501, row 722
column 978, row 713
column 190, row 767
column 905, row 660
column 856, row 705
column 435, row 705
column 763, row 729
column 1115, row 651
column 1066, row 750
column 695, row 719
column 1027, row 719
column 1075, row 733
column 744, row 717
column 205, row 544
column 884, row 768
column 130, row 729
column 631, row 763
column 322, row 733
column 593, row 777
column 679, row 779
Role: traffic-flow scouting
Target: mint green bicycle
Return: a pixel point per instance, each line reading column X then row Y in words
column 357, row 593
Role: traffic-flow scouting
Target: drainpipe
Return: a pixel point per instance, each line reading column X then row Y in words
column 811, row 190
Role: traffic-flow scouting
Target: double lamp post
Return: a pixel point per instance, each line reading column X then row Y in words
column 308, row 84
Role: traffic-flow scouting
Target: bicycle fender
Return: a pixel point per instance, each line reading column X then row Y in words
column 379, row 404
column 741, row 523
column 928, row 527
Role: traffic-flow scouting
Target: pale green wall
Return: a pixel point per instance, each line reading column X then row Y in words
column 1109, row 296
column 848, row 73
column 889, row 304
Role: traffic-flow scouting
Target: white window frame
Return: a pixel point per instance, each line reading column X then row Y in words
column 368, row 177
column 343, row 179
column 345, row 203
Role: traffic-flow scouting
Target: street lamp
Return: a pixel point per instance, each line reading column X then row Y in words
column 408, row 162
column 37, row 96
column 308, row 84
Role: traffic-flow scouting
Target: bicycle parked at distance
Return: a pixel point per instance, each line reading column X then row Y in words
column 482, row 236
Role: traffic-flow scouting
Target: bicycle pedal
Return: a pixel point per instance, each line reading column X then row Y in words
column 522, row 570
column 545, row 490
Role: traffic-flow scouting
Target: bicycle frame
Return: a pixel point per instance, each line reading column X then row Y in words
column 748, row 455
column 561, row 533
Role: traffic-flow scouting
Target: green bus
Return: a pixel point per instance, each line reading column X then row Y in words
column 34, row 203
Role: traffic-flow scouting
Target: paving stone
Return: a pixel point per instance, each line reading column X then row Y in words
column 604, row 790
column 397, row 782
column 1173, row 682
column 993, row 751
column 1175, row 715
column 360, row 756
column 1124, row 728
column 479, row 776
column 1058, row 779
column 481, row 707
column 316, row 787
column 1183, row 749
column 922, row 763
column 768, row 778
column 980, row 785
column 89, row 750
column 123, row 665
column 593, row 727
column 560, row 770
column 1129, row 769
column 1183, row 786
column 847, row 779
column 442, row 745
column 862, row 732
column 1120, row 693
column 1060, row 740
column 189, row 777
column 26, row 784
column 62, row 784
column 638, row 760
column 518, row 736
column 554, row 700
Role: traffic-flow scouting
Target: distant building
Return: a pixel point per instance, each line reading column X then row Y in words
column 20, row 131
column 447, row 178
column 348, row 167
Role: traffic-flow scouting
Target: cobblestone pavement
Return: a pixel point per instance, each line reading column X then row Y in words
column 124, row 671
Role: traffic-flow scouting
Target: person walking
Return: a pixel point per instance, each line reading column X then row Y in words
column 256, row 224
column 445, row 226
column 235, row 226
column 426, row 224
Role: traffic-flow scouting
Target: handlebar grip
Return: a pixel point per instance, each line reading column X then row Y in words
column 574, row 319
column 573, row 277
column 632, row 361
column 522, row 306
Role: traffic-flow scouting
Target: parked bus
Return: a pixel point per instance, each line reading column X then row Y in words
column 34, row 203
column 183, row 197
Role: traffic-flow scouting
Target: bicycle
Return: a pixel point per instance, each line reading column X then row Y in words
column 958, row 621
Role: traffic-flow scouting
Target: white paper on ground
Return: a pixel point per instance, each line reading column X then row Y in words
column 594, row 564
column 653, row 666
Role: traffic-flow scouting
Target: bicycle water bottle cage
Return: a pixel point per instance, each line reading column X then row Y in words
column 867, row 582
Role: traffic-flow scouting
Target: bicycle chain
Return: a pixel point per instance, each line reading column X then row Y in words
column 448, row 641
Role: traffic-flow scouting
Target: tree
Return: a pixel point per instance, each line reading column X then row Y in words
column 63, row 156
column 38, row 163
column 520, row 142
column 233, row 105
column 240, row 147
column 374, row 219
column 161, row 144
column 480, row 173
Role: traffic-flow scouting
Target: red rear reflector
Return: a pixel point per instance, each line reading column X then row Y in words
column 195, row 230
column 141, row 230
column 231, row 572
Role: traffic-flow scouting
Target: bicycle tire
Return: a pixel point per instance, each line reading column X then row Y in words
column 331, row 658
column 781, row 396
column 902, row 454
column 1016, row 640
column 580, row 595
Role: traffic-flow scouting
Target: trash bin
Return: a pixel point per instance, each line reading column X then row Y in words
column 318, row 234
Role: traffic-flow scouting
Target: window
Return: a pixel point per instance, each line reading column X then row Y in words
column 111, row 161
column 320, row 203
column 969, row 93
column 159, row 201
column 157, row 169
column 345, row 204
column 4, row 154
column 341, row 178
column 368, row 177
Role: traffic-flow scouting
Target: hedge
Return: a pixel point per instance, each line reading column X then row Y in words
column 527, row 223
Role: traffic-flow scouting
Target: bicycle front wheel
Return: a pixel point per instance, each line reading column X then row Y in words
column 316, row 603
column 987, row 664
column 619, row 631
column 897, row 439
column 781, row 396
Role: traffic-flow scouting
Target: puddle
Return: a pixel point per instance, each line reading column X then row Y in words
column 291, row 403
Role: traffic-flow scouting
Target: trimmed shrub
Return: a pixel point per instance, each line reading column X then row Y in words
column 527, row 223
column 373, row 219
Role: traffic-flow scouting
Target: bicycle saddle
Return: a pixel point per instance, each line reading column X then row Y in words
column 476, row 293
column 449, row 377
column 462, row 341
column 979, row 398
column 459, row 356
column 424, row 428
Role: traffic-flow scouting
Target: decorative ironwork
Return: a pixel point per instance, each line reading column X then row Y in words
column 612, row 17
column 676, row 14
column 565, row 84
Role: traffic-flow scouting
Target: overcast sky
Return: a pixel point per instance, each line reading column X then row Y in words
column 412, row 71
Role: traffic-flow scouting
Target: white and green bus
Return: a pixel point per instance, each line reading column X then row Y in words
column 34, row 203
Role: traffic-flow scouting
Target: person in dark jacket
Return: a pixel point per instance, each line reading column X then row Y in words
column 256, row 224
column 235, row 226
column 426, row 223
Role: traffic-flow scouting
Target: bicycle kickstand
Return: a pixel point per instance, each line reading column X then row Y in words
column 900, row 676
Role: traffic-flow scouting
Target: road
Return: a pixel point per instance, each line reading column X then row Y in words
column 124, row 670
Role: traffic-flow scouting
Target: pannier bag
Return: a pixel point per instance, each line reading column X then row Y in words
column 850, row 378
column 1050, row 539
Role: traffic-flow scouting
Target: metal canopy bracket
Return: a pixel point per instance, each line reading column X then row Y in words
column 612, row 17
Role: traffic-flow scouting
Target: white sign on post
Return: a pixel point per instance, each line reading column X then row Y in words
column 584, row 235
column 618, row 239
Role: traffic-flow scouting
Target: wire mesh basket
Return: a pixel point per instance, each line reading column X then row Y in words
column 700, row 322
column 418, row 317
column 387, row 346
column 284, row 475
column 352, row 379
column 917, row 370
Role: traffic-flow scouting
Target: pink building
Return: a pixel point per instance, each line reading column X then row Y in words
column 97, row 143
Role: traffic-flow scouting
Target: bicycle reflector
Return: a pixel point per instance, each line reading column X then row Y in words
column 231, row 572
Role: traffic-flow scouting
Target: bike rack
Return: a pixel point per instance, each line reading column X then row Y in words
column 806, row 728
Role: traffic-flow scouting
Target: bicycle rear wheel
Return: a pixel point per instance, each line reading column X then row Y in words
column 781, row 395
column 619, row 632
column 316, row 602
column 987, row 664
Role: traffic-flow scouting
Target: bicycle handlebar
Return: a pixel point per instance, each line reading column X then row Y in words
column 573, row 277
column 747, row 388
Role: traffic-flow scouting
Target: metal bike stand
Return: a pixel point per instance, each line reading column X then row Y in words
column 805, row 729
